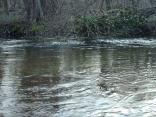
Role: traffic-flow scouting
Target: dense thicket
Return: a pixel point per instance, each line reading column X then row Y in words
column 58, row 15
column 117, row 23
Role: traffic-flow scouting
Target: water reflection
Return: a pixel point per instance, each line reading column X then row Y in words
column 10, row 72
column 40, row 73
column 89, row 81
column 131, row 77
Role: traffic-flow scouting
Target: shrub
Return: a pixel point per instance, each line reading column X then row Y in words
column 86, row 26
column 13, row 29
column 117, row 22
column 19, row 29
column 36, row 28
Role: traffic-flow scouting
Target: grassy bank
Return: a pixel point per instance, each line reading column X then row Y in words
column 116, row 23
column 20, row 29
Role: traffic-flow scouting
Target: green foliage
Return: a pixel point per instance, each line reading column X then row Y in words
column 19, row 29
column 36, row 28
column 13, row 29
column 115, row 22
column 86, row 26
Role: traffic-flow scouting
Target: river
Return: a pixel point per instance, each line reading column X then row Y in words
column 107, row 78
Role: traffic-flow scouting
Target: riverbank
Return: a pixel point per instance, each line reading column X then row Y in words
column 117, row 23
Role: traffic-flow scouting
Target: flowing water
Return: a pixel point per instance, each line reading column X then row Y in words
column 108, row 78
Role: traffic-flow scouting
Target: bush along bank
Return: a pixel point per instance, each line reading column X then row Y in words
column 20, row 29
column 114, row 23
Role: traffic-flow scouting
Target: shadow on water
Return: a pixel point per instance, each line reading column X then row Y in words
column 65, row 81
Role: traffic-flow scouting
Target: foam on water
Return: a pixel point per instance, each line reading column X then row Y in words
column 135, row 42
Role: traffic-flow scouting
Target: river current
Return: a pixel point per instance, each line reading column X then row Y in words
column 50, row 78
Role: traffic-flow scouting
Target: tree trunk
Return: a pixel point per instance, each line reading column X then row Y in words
column 6, row 8
column 101, row 6
column 34, row 10
column 108, row 4
column 27, row 5
column 38, row 10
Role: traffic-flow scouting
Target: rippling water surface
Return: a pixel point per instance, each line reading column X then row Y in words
column 73, row 79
